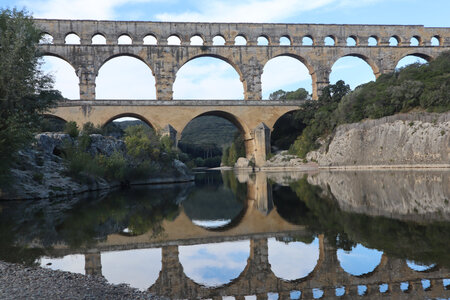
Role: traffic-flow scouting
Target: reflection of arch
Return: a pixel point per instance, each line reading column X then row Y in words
column 342, row 255
column 130, row 115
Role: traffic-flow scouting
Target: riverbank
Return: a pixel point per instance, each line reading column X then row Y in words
column 21, row 282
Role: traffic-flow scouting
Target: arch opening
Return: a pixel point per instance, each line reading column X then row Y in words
column 283, row 74
column 330, row 41
column 98, row 39
column 65, row 78
column 394, row 41
column 293, row 260
column 207, row 139
column 120, row 267
column 285, row 41
column 116, row 125
column 415, row 58
column 72, row 39
column 124, row 39
column 51, row 123
column 218, row 40
column 46, row 39
column 359, row 260
column 352, row 41
column 307, row 40
column 346, row 67
column 150, row 39
column 207, row 78
column 197, row 40
column 240, row 40
column 263, row 41
column 285, row 131
column 125, row 77
column 373, row 41
column 414, row 41
column 174, row 40
column 216, row 264
column 419, row 267
column 436, row 41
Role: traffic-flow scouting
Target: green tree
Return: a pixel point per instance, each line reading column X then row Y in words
column 25, row 91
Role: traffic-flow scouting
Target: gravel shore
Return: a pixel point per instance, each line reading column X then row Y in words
column 20, row 282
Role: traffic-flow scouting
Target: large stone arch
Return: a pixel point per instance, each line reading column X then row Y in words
column 427, row 57
column 130, row 115
column 373, row 65
column 301, row 59
column 102, row 61
column 57, row 55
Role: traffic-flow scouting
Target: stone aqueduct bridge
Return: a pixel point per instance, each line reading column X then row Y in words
column 248, row 60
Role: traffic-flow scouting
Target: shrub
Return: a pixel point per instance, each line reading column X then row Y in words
column 89, row 128
column 71, row 128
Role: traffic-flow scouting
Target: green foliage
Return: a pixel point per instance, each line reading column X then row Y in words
column 90, row 128
column 49, row 124
column 25, row 92
column 113, row 167
column 71, row 128
column 236, row 150
column 424, row 87
column 299, row 94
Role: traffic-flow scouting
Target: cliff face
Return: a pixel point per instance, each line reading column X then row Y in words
column 403, row 139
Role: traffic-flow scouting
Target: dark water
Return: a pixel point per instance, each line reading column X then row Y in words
column 258, row 236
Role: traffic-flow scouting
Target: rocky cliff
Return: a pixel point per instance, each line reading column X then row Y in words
column 405, row 139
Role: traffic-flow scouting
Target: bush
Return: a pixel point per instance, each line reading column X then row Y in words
column 89, row 128
column 71, row 128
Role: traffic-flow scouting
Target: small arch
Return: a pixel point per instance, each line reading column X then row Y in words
column 174, row 40
column 415, row 41
column 436, row 41
column 98, row 39
column 285, row 40
column 72, row 39
column 240, row 40
column 124, row 39
column 197, row 40
column 263, row 41
column 352, row 41
column 150, row 39
column 46, row 39
column 218, row 40
column 330, row 41
column 307, row 40
column 394, row 41
column 373, row 40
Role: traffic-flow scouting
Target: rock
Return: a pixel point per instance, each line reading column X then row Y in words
column 105, row 145
column 242, row 162
column 181, row 168
column 283, row 160
column 48, row 141
column 403, row 139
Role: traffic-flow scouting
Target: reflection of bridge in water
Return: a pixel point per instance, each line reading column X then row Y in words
column 257, row 223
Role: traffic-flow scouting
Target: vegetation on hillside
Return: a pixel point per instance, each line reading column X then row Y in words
column 417, row 86
column 233, row 152
column 25, row 91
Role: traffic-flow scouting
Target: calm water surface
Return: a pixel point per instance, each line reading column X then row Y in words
column 253, row 236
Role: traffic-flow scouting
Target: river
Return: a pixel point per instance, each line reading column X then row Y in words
column 250, row 236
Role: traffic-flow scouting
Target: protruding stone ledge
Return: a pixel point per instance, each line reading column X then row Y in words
column 125, row 102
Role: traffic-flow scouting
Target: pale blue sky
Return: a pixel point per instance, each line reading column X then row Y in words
column 222, row 82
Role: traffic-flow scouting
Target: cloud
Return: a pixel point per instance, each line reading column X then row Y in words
column 77, row 9
column 254, row 10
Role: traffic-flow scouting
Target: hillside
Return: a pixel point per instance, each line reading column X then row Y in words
column 209, row 130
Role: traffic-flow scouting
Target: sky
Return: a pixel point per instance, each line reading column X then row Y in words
column 209, row 78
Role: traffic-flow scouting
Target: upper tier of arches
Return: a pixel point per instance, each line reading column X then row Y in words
column 204, row 34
